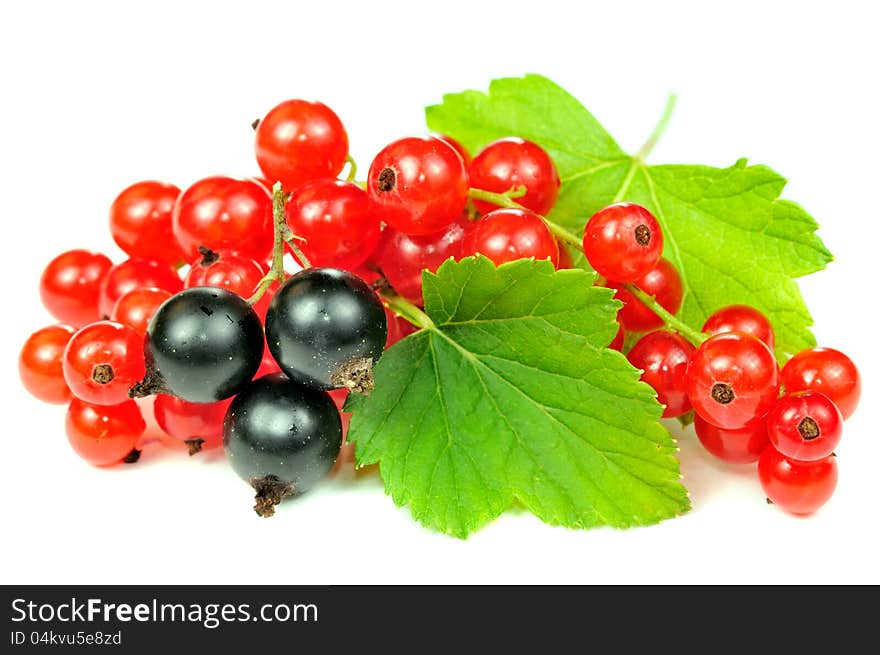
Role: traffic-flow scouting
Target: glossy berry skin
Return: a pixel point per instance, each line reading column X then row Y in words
column 39, row 364
column 133, row 274
column 140, row 221
column 514, row 162
column 663, row 283
column 280, row 428
column 742, row 446
column 223, row 213
column 508, row 234
column 299, row 141
column 320, row 321
column 102, row 361
column 827, row 371
column 663, row 357
column 136, row 307
column 403, row 257
column 337, row 221
column 805, row 426
column 460, row 149
column 623, row 242
column 205, row 344
column 418, row 185
column 232, row 271
column 797, row 487
column 732, row 380
column 188, row 421
column 70, row 286
column 104, row 434
column 741, row 318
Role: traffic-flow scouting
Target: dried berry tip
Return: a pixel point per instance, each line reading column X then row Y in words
column 808, row 428
column 722, row 393
column 152, row 383
column 132, row 457
column 208, row 256
column 355, row 375
column 103, row 373
column 194, row 445
column 270, row 491
column 387, row 180
column 643, row 235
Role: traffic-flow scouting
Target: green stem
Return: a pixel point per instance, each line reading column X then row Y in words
column 406, row 310
column 352, row 168
column 659, row 129
column 669, row 319
column 505, row 200
column 276, row 270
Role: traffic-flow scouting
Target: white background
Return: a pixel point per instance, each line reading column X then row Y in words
column 98, row 95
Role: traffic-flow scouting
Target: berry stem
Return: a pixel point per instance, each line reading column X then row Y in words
column 659, row 129
column 406, row 310
column 669, row 319
column 506, row 200
column 281, row 235
column 352, row 168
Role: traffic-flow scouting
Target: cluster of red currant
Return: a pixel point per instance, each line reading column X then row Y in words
column 230, row 342
column 727, row 374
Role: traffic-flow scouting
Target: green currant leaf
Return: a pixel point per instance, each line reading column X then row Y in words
column 510, row 395
column 726, row 230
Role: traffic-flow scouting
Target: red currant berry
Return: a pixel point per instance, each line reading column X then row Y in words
column 617, row 341
column 299, row 141
column 663, row 357
column 200, row 425
column 460, row 149
column 102, row 361
column 229, row 270
column 140, row 221
column 398, row 328
column 623, row 242
column 39, row 364
column 565, row 260
column 402, row 257
column 732, row 380
column 104, row 434
column 136, row 307
column 135, row 274
column 797, row 487
column 222, row 213
column 263, row 182
column 508, row 234
column 741, row 446
column 663, row 283
column 337, row 221
column 514, row 162
column 69, row 286
column 741, row 318
column 805, row 426
column 418, row 184
column 267, row 364
column 827, row 371
column 339, row 397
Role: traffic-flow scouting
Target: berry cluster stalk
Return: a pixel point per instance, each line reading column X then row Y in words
column 281, row 235
column 507, row 201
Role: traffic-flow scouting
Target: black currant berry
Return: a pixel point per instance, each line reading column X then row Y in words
column 203, row 345
column 326, row 328
column 281, row 437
